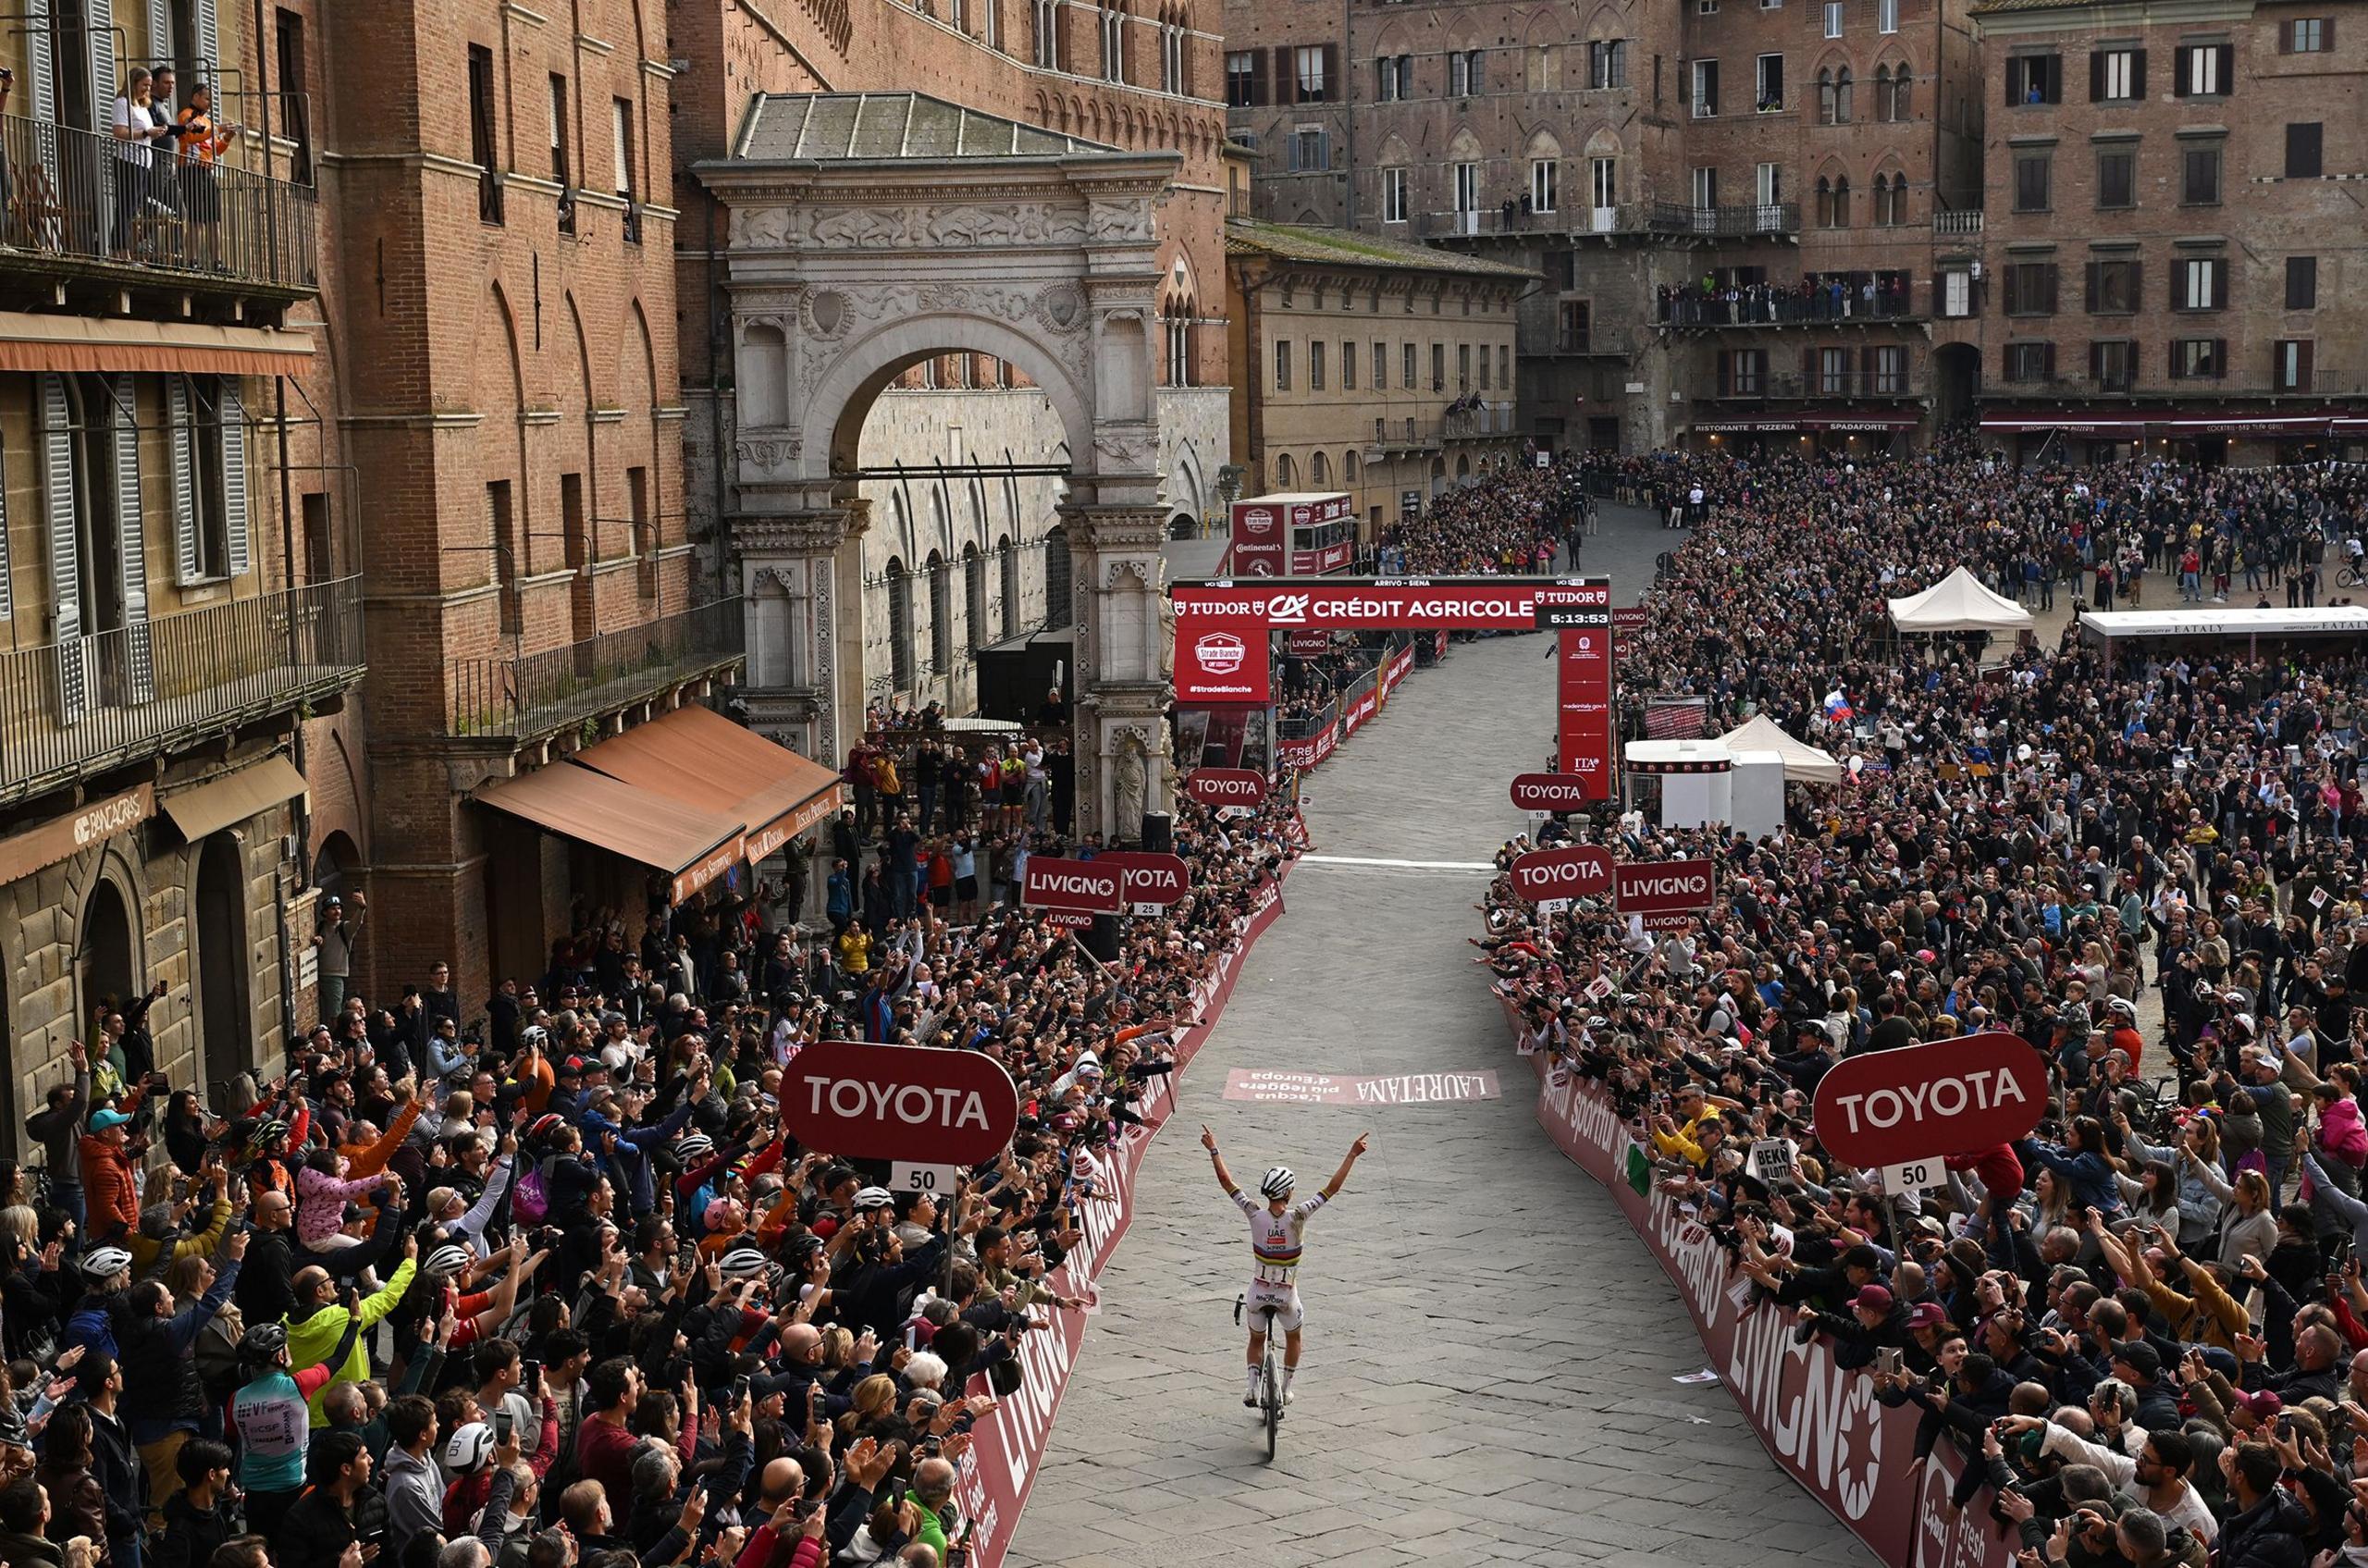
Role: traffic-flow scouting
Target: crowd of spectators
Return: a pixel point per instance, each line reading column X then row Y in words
column 2142, row 1331
column 552, row 1286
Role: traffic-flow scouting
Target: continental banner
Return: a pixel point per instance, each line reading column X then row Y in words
column 1008, row 1445
column 1821, row 1423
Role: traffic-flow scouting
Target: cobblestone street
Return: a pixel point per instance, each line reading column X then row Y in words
column 1489, row 1351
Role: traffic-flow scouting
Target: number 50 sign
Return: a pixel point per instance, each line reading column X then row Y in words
column 1913, row 1176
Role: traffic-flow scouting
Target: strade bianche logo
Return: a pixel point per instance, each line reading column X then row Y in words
column 1220, row 653
column 1827, row 1430
column 1257, row 521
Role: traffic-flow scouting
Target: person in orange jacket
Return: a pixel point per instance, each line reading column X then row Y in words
column 110, row 1161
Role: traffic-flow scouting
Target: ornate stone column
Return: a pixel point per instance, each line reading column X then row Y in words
column 802, row 573
column 1121, row 664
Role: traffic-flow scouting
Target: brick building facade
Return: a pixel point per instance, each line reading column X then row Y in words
column 1811, row 156
column 2172, row 229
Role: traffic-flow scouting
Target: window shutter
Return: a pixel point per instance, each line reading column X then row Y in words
column 2096, row 360
column 2016, row 69
column 1726, row 376
column 2047, row 362
column 2286, row 38
column 160, row 30
column 186, row 565
column 1286, row 78
column 1332, row 87
column 2175, row 359
column 2182, row 73
column 209, row 40
column 105, row 88
column 234, row 473
column 2326, row 32
column 2302, row 376
column 2138, row 74
column 1808, row 370
column 131, row 551
column 2220, row 285
column 2096, row 76
column 2226, row 78
column 2096, row 275
column 2050, row 288
column 65, row 559
column 43, row 70
column 2219, row 358
column 1258, row 78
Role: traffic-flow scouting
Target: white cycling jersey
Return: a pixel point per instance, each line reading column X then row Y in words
column 1275, row 1240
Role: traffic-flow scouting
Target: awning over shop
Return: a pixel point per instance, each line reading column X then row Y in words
column 2325, row 620
column 701, row 759
column 210, row 808
column 692, row 846
column 108, row 344
column 2137, row 422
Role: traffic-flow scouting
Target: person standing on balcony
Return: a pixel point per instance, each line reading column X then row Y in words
column 137, row 128
column 203, row 140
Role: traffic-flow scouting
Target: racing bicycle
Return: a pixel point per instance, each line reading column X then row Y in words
column 2352, row 575
column 1270, row 1384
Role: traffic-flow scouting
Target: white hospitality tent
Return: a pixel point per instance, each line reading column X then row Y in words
column 1958, row 603
column 1803, row 763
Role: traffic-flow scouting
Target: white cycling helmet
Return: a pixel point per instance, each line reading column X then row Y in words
column 104, row 1264
column 1279, row 1182
column 741, row 1261
column 874, row 1198
column 697, row 1146
column 450, row 1258
column 467, row 1448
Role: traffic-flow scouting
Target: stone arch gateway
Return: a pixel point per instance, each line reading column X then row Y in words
column 868, row 233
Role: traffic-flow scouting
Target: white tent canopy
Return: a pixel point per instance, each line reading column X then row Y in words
column 1958, row 603
column 1803, row 763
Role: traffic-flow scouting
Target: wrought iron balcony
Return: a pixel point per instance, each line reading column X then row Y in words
column 1760, row 217
column 75, row 205
column 1854, row 383
column 542, row 694
column 73, row 705
column 1785, row 304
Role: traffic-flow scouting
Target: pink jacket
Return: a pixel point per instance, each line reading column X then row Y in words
column 321, row 1200
column 2340, row 1133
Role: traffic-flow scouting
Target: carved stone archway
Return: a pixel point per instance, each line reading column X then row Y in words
column 870, row 232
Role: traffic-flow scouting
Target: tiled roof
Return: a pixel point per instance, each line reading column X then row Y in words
column 1343, row 247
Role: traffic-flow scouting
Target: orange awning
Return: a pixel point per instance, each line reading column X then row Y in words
column 108, row 344
column 698, row 757
column 691, row 845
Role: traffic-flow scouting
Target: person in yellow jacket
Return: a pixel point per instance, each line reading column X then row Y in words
column 319, row 1322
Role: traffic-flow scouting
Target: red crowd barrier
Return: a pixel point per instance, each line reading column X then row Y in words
column 1821, row 1423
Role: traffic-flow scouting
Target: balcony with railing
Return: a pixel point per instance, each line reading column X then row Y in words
column 74, row 206
column 80, row 704
column 1961, row 224
column 1729, row 222
column 1793, row 384
column 1823, row 300
column 1414, row 433
column 540, row 694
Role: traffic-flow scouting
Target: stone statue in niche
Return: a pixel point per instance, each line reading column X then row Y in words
column 1129, row 784
column 1164, row 794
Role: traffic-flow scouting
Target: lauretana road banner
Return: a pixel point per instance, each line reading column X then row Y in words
column 1008, row 1445
column 1821, row 1423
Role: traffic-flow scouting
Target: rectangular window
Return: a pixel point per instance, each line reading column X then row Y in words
column 2200, row 177
column 1311, row 149
column 2307, row 35
column 295, row 101
column 2302, row 144
column 2206, row 70
column 506, row 563
column 1771, row 84
column 2034, row 79
column 1577, row 327
column 2113, row 364
column 1241, row 79
column 1706, row 89
column 1746, row 368
column 1603, row 181
column 2116, row 76
column 2203, row 284
column 2113, row 288
column 1307, row 68
column 1483, row 368
column 1608, row 63
column 1406, row 366
column 2030, row 362
column 1283, row 365
column 1464, row 74
column 621, row 136
column 483, row 149
column 2032, row 181
column 2301, row 282
column 1348, row 366
column 1886, row 15
column 2199, row 359
column 1832, row 371
column 1833, row 18
column 1467, row 187
column 2116, row 177
column 1439, row 368
column 1705, row 189
column 560, row 171
column 1545, row 184
column 1956, row 292
column 1393, row 195
column 1768, row 184
column 1315, row 365
column 2031, row 289
column 2291, row 365
column 1888, row 370
column 1380, row 363
column 1504, row 366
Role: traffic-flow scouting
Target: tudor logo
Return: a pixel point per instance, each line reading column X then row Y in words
column 1220, row 653
column 1283, row 609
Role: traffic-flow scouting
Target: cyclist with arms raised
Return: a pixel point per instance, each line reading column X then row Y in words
column 1276, row 1228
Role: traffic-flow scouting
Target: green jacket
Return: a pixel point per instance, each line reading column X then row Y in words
column 310, row 1341
column 932, row 1525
